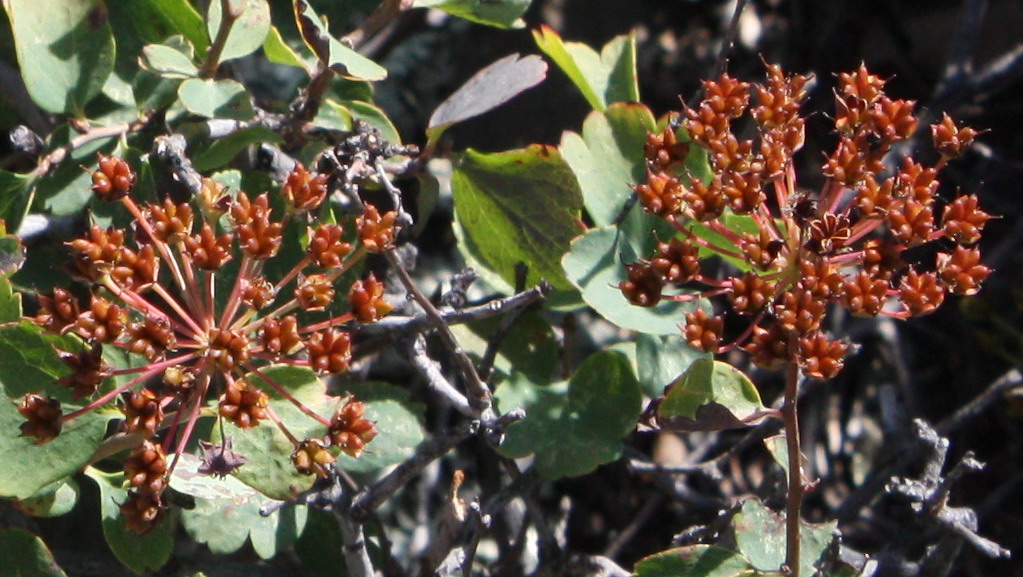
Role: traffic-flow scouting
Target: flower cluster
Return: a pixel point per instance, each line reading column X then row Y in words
column 153, row 293
column 802, row 253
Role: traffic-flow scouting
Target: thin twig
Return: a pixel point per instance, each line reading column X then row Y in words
column 51, row 160
column 981, row 402
column 794, row 495
column 729, row 39
column 374, row 495
column 384, row 14
column 400, row 325
column 479, row 394
column 228, row 16
column 415, row 349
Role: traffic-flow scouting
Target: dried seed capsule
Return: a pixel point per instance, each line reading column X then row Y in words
column 142, row 413
column 304, row 190
column 57, row 313
column 207, row 250
column 366, row 299
column 280, row 336
column 314, row 292
column 330, row 351
column 142, row 511
column 146, row 468
column 643, row 286
column 961, row 271
column 349, row 431
column 243, row 404
column 703, row 331
column 920, row 292
column 820, row 357
column 103, row 322
column 88, row 370
column 376, row 231
column 950, row 140
column 311, row 456
column 114, row 179
column 227, row 348
column 962, row 220
column 43, row 418
column 326, row 247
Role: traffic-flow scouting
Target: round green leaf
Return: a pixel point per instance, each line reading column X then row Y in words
column 140, row 553
column 153, row 21
column 602, row 78
column 340, row 58
column 694, row 561
column 25, row 555
column 278, row 51
column 28, row 364
column 65, row 54
column 216, row 98
column 247, row 33
column 760, row 536
column 520, row 206
column 168, row 61
column 497, row 13
column 571, row 432
column 662, row 359
column 529, row 348
column 594, row 264
column 608, row 158
column 710, row 396
column 226, row 513
column 53, row 501
column 398, row 422
column 268, row 450
column 14, row 198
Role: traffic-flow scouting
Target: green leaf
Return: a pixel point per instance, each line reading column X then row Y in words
column 12, row 254
column 662, row 359
column 25, row 555
column 216, row 98
column 497, row 13
column 223, row 150
column 694, row 561
column 710, row 396
column 602, row 78
column 65, row 190
column 398, row 421
column 374, row 116
column 573, row 432
column 64, row 54
column 153, row 21
column 10, row 301
column 140, row 553
column 340, row 58
column 268, row 450
column 321, row 546
column 28, row 364
column 520, row 206
column 486, row 90
column 529, row 349
column 608, row 158
column 594, row 264
column 14, row 198
column 247, row 33
column 760, row 536
column 278, row 51
column 53, row 500
column 170, row 61
column 226, row 513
